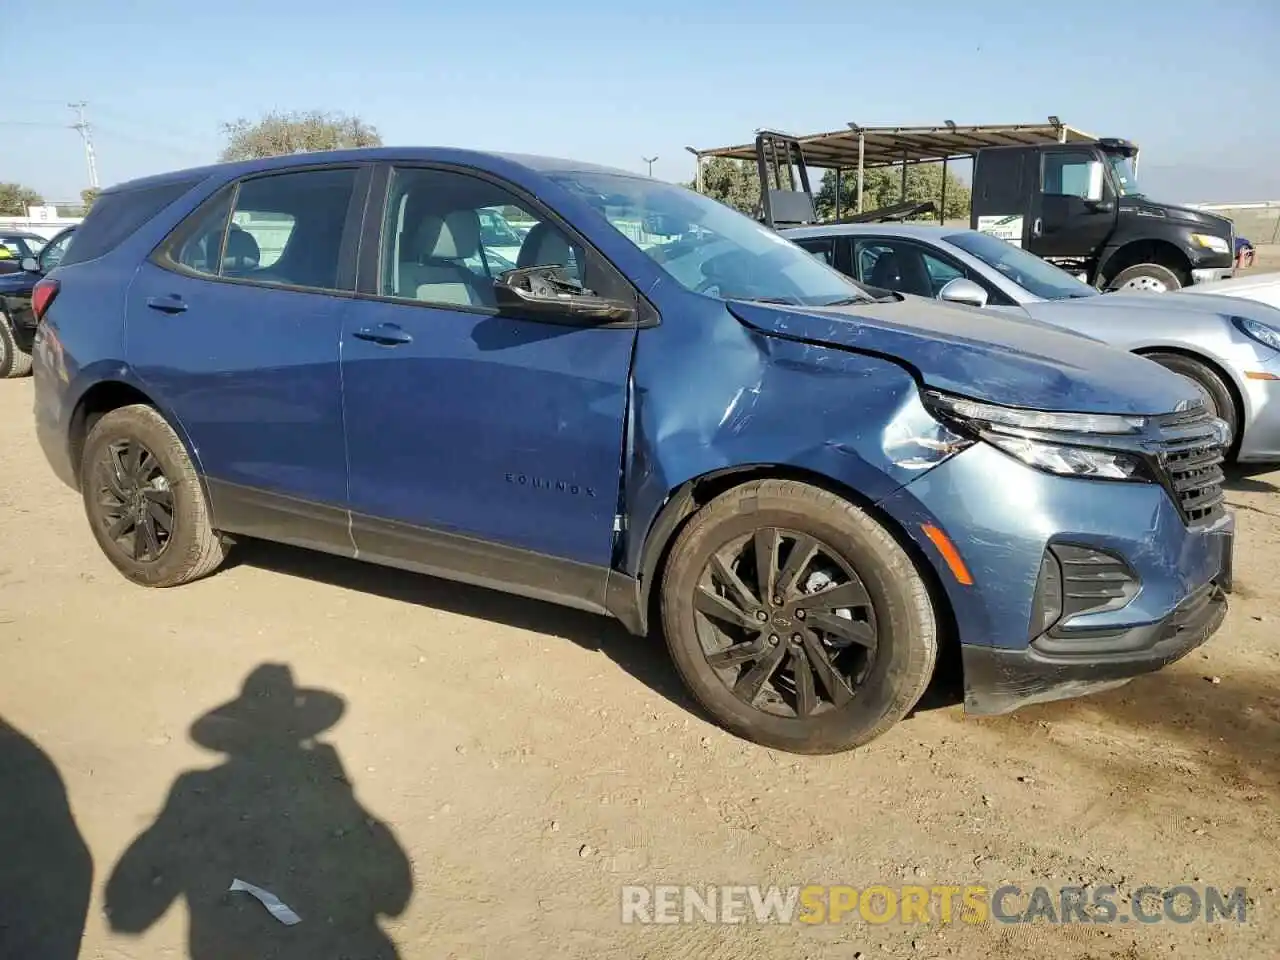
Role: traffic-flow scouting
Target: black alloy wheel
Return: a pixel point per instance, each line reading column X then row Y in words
column 135, row 500
column 788, row 624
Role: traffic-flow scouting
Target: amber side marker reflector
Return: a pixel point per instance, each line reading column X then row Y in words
column 1259, row 375
column 949, row 553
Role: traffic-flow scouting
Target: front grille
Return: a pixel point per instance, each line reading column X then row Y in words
column 1191, row 455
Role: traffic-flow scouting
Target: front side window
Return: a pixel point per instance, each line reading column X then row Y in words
column 1038, row 277
column 705, row 246
column 283, row 229
column 941, row 272
column 1068, row 174
column 895, row 265
column 447, row 238
column 19, row 248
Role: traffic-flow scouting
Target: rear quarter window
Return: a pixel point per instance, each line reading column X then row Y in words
column 117, row 214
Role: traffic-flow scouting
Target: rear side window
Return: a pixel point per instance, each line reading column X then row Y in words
column 117, row 214
column 284, row 229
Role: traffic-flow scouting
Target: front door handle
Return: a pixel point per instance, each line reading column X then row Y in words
column 385, row 334
column 170, row 304
column 1037, row 228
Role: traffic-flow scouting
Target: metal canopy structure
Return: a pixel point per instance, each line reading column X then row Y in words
column 859, row 148
column 886, row 146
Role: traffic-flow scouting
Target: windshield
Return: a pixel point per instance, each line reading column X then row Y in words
column 707, row 247
column 1125, row 176
column 1036, row 276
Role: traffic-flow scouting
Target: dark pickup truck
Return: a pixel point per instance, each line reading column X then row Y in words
column 17, row 322
column 1079, row 205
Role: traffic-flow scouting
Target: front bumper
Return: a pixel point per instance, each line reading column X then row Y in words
column 1002, row 517
column 1000, row 681
column 1210, row 274
column 1260, row 434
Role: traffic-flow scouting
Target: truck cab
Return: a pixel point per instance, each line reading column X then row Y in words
column 1079, row 205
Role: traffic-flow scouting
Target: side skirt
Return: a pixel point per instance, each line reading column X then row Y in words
column 271, row 516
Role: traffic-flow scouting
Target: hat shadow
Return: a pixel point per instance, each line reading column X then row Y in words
column 280, row 812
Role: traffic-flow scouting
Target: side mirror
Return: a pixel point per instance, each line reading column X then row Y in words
column 1099, row 206
column 1096, row 174
column 31, row 265
column 544, row 294
column 962, row 290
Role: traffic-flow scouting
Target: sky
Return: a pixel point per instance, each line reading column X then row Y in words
column 1193, row 83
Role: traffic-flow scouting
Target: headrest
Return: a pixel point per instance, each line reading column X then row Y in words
column 544, row 245
column 452, row 237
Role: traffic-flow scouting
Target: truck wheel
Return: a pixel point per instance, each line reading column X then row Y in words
column 14, row 361
column 1146, row 278
column 797, row 620
column 144, row 501
column 1217, row 397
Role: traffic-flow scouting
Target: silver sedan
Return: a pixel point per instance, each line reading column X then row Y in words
column 1229, row 347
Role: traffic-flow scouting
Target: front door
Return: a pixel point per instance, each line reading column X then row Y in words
column 1074, row 210
column 482, row 443
column 235, row 324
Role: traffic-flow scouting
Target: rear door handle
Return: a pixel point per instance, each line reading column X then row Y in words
column 169, row 304
column 386, row 334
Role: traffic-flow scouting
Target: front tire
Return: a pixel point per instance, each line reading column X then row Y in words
column 1147, row 278
column 144, row 501
column 796, row 620
column 14, row 361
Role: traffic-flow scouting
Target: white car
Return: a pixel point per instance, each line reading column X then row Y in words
column 1262, row 287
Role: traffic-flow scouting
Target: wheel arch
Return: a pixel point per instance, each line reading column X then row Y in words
column 1146, row 250
column 105, row 395
column 687, row 499
column 1233, row 388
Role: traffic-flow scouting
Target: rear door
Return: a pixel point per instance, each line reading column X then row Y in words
column 484, row 442
column 235, row 322
column 1002, row 193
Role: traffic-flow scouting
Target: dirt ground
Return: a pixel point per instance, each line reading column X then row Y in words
column 512, row 764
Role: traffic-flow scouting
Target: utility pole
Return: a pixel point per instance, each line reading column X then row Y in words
column 82, row 127
column 649, row 161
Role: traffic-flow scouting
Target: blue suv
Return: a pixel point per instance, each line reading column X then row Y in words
column 663, row 412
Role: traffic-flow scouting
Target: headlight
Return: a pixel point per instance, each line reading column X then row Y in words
column 1210, row 242
column 992, row 414
column 1256, row 330
column 1053, row 442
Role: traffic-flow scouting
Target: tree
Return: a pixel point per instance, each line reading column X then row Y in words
column 734, row 183
column 15, row 198
column 882, row 186
column 88, row 197
column 299, row 132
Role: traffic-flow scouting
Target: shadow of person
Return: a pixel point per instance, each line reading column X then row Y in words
column 280, row 814
column 46, row 871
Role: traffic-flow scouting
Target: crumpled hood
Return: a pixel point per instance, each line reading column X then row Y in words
column 984, row 355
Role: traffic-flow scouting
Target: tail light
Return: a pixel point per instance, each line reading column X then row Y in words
column 42, row 295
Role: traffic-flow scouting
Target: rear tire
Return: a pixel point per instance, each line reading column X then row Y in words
column 807, row 674
column 1146, row 278
column 14, row 361
column 1215, row 391
column 144, row 501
